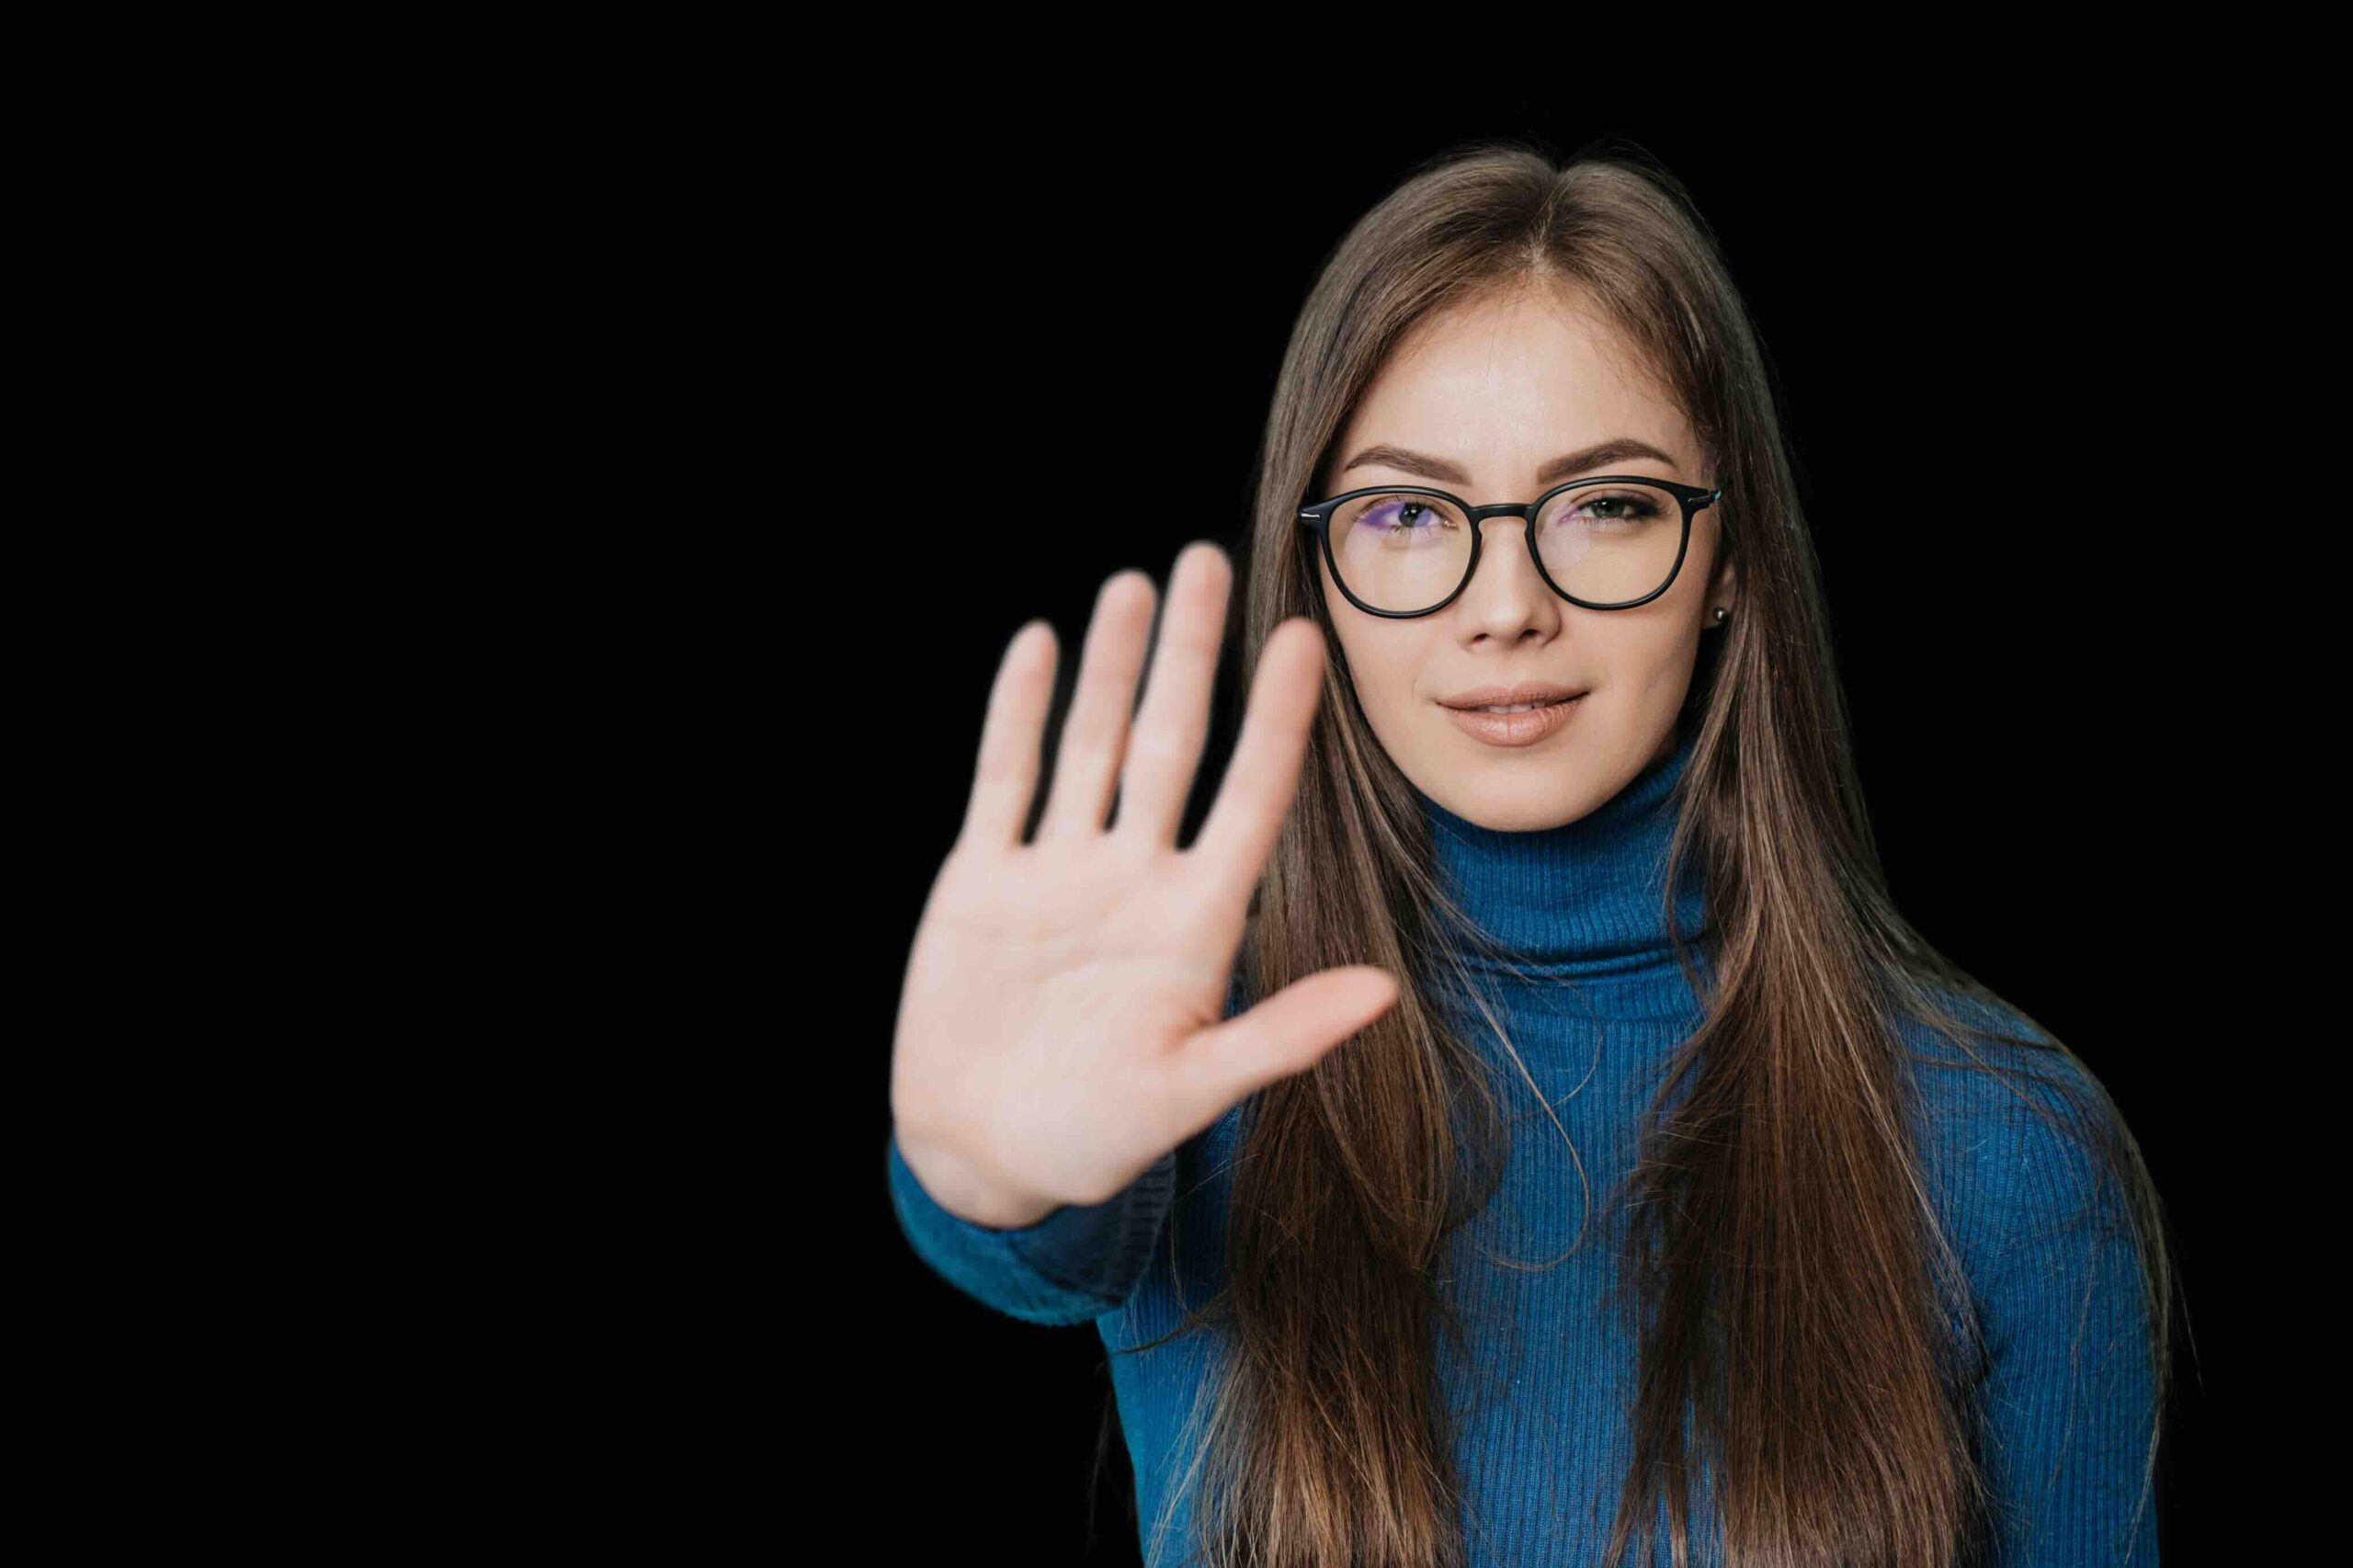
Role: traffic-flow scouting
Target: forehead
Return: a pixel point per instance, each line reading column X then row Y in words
column 1501, row 386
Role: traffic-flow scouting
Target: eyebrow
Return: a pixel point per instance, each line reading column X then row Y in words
column 1617, row 449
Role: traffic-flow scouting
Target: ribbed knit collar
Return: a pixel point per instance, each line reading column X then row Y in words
column 1581, row 900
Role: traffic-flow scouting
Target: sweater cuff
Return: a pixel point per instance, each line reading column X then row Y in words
column 1079, row 1262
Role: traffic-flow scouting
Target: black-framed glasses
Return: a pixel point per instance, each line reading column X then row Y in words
column 1611, row 542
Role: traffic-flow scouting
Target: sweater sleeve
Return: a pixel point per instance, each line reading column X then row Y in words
column 2070, row 1393
column 1075, row 1265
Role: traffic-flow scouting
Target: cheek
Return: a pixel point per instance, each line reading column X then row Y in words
column 1383, row 658
column 1387, row 670
column 1382, row 669
column 1639, row 651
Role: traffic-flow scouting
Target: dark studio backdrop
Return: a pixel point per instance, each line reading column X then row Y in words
column 1065, row 342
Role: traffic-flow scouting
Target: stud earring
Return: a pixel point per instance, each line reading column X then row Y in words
column 1723, row 615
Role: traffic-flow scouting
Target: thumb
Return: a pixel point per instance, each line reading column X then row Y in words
column 1289, row 1033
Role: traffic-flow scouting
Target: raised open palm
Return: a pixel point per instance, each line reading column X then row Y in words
column 1061, row 1022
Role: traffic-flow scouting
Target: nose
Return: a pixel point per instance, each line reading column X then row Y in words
column 1504, row 585
column 1504, row 547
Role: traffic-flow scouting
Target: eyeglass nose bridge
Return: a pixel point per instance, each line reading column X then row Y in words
column 1526, row 511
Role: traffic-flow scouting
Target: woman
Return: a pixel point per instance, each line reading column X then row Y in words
column 1610, row 1173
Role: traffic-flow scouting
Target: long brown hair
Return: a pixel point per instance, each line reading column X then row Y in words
column 1321, row 1438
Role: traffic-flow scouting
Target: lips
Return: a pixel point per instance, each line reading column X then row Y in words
column 1515, row 729
column 1541, row 692
column 1513, row 706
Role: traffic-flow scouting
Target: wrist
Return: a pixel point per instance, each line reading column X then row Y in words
column 953, row 1183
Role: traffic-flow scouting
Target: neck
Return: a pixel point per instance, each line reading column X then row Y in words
column 1581, row 900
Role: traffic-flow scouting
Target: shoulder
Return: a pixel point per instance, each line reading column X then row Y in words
column 2018, row 1135
column 2003, row 1069
column 2033, row 1177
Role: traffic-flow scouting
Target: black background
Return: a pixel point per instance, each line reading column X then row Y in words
column 517, row 710
column 2015, row 374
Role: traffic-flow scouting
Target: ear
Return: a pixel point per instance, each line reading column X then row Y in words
column 1723, row 587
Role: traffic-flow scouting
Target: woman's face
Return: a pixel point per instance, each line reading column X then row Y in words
column 1490, row 394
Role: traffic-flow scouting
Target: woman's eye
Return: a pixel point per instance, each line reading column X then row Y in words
column 1618, row 509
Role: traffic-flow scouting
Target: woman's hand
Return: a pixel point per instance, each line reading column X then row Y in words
column 1062, row 1023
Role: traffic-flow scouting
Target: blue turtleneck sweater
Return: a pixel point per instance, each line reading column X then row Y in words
column 1540, row 1405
